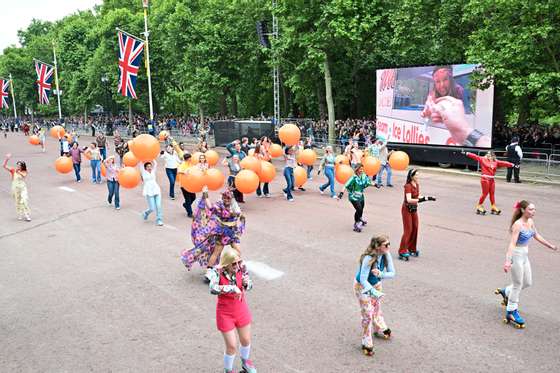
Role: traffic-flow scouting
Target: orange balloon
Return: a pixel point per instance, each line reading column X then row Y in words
column 63, row 165
column 307, row 157
column 268, row 172
column 212, row 157
column 103, row 170
column 275, row 151
column 246, row 181
column 289, row 134
column 251, row 163
column 130, row 144
column 251, row 152
column 129, row 159
column 371, row 165
column 146, row 147
column 342, row 173
column 300, row 176
column 193, row 180
column 129, row 177
column 69, row 137
column 163, row 135
column 57, row 130
column 214, row 179
column 195, row 157
column 399, row 161
column 341, row 159
column 34, row 140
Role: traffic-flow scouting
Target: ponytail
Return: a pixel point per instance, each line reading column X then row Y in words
column 518, row 210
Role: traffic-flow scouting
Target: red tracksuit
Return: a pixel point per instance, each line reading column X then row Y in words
column 410, row 222
column 488, row 171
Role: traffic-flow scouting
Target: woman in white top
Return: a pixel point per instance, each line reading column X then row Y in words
column 151, row 191
column 172, row 161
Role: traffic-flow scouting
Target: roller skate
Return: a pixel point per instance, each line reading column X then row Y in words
column 404, row 256
column 480, row 210
column 502, row 292
column 415, row 253
column 357, row 227
column 364, row 222
column 368, row 351
column 247, row 366
column 515, row 319
column 495, row 211
column 386, row 334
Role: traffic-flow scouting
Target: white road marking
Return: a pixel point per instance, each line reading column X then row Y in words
column 263, row 270
column 66, row 189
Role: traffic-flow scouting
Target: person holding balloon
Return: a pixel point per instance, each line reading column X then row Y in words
column 95, row 162
column 409, row 212
column 76, row 155
column 19, row 188
column 189, row 197
column 151, row 191
column 355, row 186
column 327, row 165
column 113, row 186
column 290, row 158
column 234, row 166
column 262, row 154
column 172, row 161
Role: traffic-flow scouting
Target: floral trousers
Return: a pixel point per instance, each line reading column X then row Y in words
column 372, row 316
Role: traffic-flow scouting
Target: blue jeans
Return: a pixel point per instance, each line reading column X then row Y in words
column 172, row 176
column 95, row 170
column 329, row 173
column 386, row 167
column 114, row 187
column 309, row 169
column 289, row 176
column 154, row 204
column 103, row 152
column 77, row 169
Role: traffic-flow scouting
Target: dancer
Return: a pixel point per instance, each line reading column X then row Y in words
column 488, row 166
column 76, row 154
column 113, row 185
column 172, row 161
column 230, row 281
column 355, row 187
column 327, row 164
column 379, row 150
column 290, row 158
column 214, row 226
column 409, row 212
column 19, row 188
column 522, row 229
column 376, row 264
column 151, row 191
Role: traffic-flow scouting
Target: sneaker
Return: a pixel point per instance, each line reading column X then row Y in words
column 173, row 198
column 159, row 223
column 248, row 366
column 377, row 186
column 290, row 200
column 79, row 181
column 145, row 215
column 20, row 218
column 27, row 218
column 321, row 191
column 117, row 208
column 267, row 195
column 302, row 189
column 260, row 196
column 109, row 203
column 390, row 185
column 335, row 197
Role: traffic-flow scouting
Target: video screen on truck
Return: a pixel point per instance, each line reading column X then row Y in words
column 433, row 105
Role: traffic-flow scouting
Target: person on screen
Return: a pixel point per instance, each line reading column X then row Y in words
column 444, row 85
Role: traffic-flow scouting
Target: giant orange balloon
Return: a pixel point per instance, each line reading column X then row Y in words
column 163, row 135
column 129, row 177
column 56, row 131
column 342, row 173
column 371, row 165
column 214, row 179
column 212, row 157
column 193, row 180
column 246, row 181
column 341, row 159
column 145, row 148
column 399, row 160
column 129, row 159
column 300, row 176
column 63, row 165
column 34, row 140
column 69, row 137
column 251, row 163
column 268, row 172
column 275, row 151
column 289, row 134
column 103, row 170
column 130, row 144
column 307, row 157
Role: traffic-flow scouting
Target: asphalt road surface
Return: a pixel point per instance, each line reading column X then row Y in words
column 84, row 287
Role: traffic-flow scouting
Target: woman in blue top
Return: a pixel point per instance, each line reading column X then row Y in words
column 517, row 259
column 376, row 264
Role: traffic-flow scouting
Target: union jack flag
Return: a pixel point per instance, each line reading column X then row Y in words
column 130, row 55
column 45, row 74
column 4, row 84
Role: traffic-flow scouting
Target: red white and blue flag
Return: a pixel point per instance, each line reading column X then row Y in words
column 130, row 55
column 4, row 85
column 45, row 73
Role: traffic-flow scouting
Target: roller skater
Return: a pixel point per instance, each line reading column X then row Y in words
column 488, row 167
column 502, row 292
column 517, row 259
column 376, row 264
column 355, row 187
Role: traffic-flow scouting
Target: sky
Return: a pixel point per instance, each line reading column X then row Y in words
column 17, row 14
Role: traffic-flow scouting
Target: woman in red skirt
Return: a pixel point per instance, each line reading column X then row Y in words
column 230, row 281
column 409, row 213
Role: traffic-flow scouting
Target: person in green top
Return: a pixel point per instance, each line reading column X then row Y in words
column 355, row 187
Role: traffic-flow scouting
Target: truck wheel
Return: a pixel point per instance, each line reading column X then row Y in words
column 444, row 165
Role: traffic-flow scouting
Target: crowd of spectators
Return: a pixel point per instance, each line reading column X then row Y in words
column 530, row 135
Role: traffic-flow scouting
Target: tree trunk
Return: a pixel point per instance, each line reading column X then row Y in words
column 321, row 99
column 329, row 98
column 85, row 114
column 234, row 103
column 201, row 115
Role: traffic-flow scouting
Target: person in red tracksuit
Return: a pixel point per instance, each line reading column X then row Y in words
column 488, row 166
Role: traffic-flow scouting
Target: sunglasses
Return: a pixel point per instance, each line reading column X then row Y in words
column 386, row 244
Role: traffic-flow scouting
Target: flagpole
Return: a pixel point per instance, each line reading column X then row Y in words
column 56, row 83
column 147, row 34
column 13, row 96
